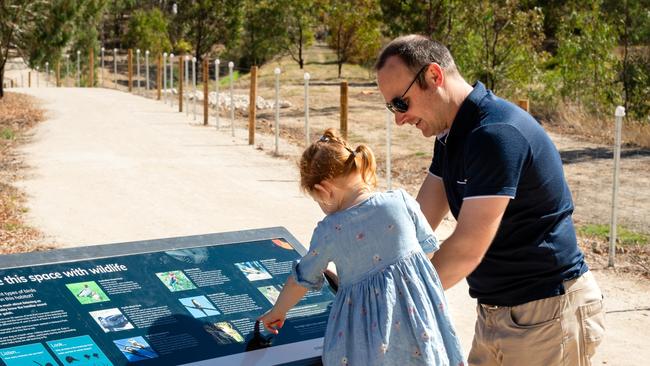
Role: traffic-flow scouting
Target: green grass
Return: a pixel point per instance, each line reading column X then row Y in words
column 625, row 236
column 224, row 80
column 420, row 153
column 7, row 134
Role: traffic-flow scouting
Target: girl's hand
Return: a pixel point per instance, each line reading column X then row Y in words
column 273, row 320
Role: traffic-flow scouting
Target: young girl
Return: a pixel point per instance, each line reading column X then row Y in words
column 390, row 308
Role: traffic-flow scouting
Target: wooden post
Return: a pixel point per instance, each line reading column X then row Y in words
column 29, row 79
column 206, row 83
column 11, row 83
column 344, row 109
column 158, row 76
column 252, row 99
column 130, row 67
column 181, row 71
column 523, row 103
column 91, row 68
column 58, row 74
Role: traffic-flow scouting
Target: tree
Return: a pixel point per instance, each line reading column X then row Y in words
column 299, row 20
column 148, row 31
column 351, row 24
column 18, row 21
column 633, row 29
column 435, row 18
column 205, row 23
column 501, row 44
column 585, row 56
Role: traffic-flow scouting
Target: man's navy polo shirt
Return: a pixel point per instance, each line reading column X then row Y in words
column 495, row 148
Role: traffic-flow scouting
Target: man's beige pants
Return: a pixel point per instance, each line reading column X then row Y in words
column 562, row 330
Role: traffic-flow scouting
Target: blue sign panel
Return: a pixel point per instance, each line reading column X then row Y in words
column 180, row 301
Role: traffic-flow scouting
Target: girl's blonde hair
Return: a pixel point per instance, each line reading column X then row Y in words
column 331, row 157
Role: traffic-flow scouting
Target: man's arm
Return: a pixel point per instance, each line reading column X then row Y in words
column 461, row 253
column 433, row 200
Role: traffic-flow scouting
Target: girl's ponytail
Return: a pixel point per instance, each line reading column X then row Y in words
column 367, row 165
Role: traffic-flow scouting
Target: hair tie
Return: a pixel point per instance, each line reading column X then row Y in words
column 324, row 139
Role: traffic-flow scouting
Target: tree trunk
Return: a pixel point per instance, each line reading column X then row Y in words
column 340, row 63
column 2, row 79
column 300, row 60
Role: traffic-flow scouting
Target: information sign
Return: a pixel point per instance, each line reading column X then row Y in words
column 179, row 301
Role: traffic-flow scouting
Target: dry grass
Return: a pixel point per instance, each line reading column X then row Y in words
column 574, row 120
column 18, row 113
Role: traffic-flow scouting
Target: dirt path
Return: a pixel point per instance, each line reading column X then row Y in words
column 108, row 167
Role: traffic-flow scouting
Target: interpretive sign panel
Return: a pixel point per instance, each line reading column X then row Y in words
column 180, row 301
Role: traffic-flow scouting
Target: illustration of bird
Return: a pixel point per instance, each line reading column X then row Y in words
column 136, row 344
column 172, row 280
column 85, row 292
column 70, row 359
column 199, row 307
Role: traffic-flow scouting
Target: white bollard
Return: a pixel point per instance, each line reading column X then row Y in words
column 187, row 84
column 137, row 67
column 171, row 79
column 231, row 65
column 102, row 62
column 389, row 138
column 22, row 81
column 78, row 69
column 47, row 74
column 37, row 79
column 164, row 85
column 115, row 67
column 618, row 114
column 307, row 77
column 194, row 88
column 146, row 67
column 216, row 88
column 277, row 109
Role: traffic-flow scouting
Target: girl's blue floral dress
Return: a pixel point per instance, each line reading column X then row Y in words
column 390, row 308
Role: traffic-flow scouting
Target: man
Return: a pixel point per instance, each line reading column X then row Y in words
column 501, row 176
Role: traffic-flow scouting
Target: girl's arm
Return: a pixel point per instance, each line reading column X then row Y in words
column 291, row 294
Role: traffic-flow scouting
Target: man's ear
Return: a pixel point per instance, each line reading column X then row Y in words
column 436, row 74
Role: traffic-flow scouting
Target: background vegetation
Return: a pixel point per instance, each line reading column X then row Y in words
column 572, row 54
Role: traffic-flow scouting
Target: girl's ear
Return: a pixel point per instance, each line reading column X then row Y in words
column 324, row 189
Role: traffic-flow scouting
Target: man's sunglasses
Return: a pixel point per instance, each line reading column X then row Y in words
column 398, row 104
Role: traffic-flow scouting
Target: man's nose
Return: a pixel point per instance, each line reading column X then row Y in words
column 400, row 118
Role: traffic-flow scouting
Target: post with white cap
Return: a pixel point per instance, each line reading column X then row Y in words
column 231, row 66
column 78, row 69
column 115, row 67
column 194, row 88
column 206, row 89
column 159, row 64
column 277, row 109
column 187, row 83
column 389, row 141
column 47, row 73
column 137, row 66
column 102, row 62
column 171, row 79
column 216, row 88
column 146, row 67
column 619, row 114
column 307, row 77
column 181, row 61
column 164, row 62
